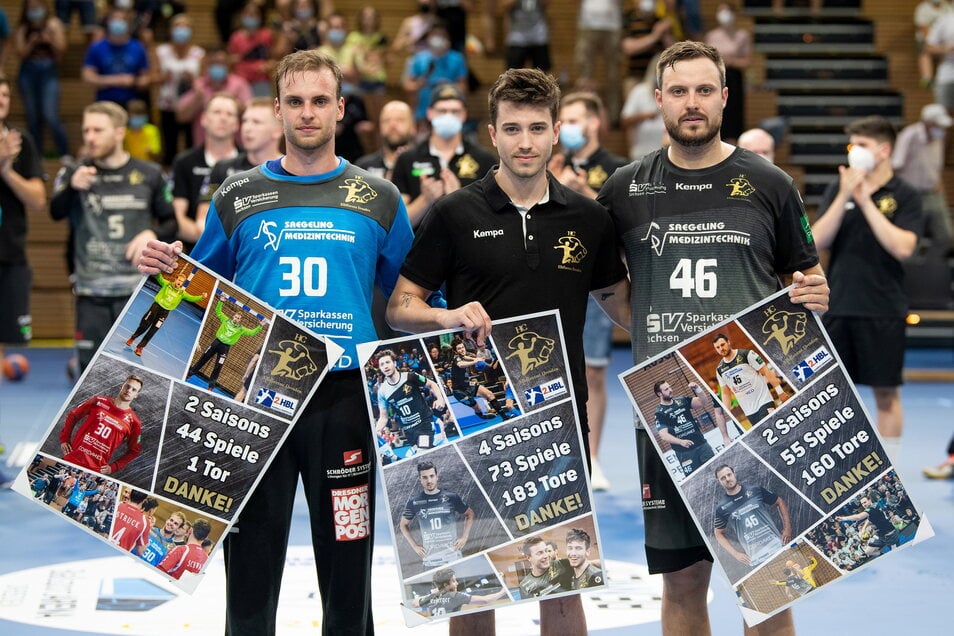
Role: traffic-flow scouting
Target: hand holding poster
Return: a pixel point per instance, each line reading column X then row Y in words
column 774, row 455
column 483, row 467
column 176, row 418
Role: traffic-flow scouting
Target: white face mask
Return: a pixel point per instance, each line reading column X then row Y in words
column 725, row 17
column 861, row 158
column 647, row 6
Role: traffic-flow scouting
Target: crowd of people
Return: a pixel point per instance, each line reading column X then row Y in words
column 432, row 185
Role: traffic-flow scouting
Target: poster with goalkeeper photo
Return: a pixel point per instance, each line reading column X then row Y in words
column 482, row 460
column 170, row 427
column 774, row 454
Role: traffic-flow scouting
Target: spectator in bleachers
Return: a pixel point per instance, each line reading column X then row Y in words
column 641, row 117
column 940, row 43
column 40, row 41
column 871, row 221
column 117, row 65
column 217, row 78
column 353, row 126
column 411, row 37
column 87, row 15
column 192, row 167
column 142, row 140
column 918, row 158
column 254, row 49
column 397, row 129
column 925, row 14
column 4, row 36
column 180, row 63
column 304, row 29
column 445, row 161
column 370, row 46
column 599, row 31
column 760, row 142
column 436, row 65
column 454, row 15
column 650, row 28
column 528, row 33
column 337, row 48
column 734, row 44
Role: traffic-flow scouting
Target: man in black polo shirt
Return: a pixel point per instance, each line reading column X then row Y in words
column 191, row 168
column 493, row 245
column 445, row 161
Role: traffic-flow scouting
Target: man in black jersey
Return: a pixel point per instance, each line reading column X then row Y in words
column 446, row 599
column 583, row 572
column 745, row 512
column 707, row 229
column 885, row 534
column 467, row 387
column 545, row 576
column 401, row 395
column 681, row 430
column 437, row 512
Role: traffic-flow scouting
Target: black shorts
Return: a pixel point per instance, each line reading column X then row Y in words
column 537, row 54
column 890, row 538
column 871, row 349
column 761, row 413
column 672, row 540
column 15, row 321
column 692, row 458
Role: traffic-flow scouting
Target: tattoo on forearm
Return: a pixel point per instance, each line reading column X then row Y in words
column 406, row 299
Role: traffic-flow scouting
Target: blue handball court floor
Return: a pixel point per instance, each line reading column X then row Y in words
column 56, row 579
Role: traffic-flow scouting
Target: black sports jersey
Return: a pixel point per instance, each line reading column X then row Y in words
column 189, row 171
column 460, row 376
column 867, row 281
column 598, row 167
column 880, row 519
column 220, row 172
column 375, row 164
column 444, row 602
column 555, row 579
column 121, row 203
column 677, row 418
column 747, row 514
column 13, row 219
column 703, row 244
column 404, row 400
column 437, row 517
column 591, row 577
column 470, row 164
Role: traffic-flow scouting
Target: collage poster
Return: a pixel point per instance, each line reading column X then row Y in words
column 483, row 469
column 179, row 413
column 774, row 454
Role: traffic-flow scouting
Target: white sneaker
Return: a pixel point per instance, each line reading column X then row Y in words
column 945, row 471
column 597, row 479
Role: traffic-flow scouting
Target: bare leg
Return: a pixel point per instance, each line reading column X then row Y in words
column 779, row 625
column 684, row 610
column 562, row 617
column 481, row 624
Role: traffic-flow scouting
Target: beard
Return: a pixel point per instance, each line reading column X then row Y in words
column 395, row 143
column 697, row 138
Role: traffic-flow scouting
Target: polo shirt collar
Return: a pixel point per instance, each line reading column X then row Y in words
column 500, row 201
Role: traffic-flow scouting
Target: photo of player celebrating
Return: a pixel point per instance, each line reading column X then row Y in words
column 103, row 424
column 585, row 573
column 544, row 576
column 446, row 599
column 191, row 556
column 437, row 513
column 412, row 401
column 677, row 426
column 744, row 513
column 167, row 299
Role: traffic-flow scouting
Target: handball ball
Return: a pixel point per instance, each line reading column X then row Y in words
column 15, row 367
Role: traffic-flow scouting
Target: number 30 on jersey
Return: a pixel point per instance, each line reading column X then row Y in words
column 308, row 276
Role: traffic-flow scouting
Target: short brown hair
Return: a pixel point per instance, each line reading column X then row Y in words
column 528, row 86
column 688, row 50
column 590, row 100
column 302, row 61
column 116, row 113
column 874, row 126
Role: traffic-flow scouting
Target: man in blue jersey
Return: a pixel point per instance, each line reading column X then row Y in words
column 268, row 211
column 161, row 540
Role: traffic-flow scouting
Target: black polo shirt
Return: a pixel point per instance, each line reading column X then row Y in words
column 473, row 240
column 189, row 172
column 470, row 164
column 374, row 163
column 599, row 167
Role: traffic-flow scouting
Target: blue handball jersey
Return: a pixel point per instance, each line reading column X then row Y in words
column 312, row 247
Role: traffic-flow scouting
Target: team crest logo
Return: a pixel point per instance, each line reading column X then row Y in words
column 358, row 190
column 265, row 229
column 888, row 205
column 573, row 250
column 136, row 177
column 595, row 177
column 531, row 349
column 294, row 361
column 786, row 328
column 741, row 187
column 467, row 167
column 407, row 389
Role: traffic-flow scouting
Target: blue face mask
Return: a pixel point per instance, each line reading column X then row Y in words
column 117, row 27
column 337, row 36
column 36, row 15
column 447, row 125
column 251, row 23
column 181, row 34
column 218, row 72
column 572, row 137
column 136, row 122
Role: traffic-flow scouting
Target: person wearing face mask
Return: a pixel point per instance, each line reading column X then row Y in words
column 337, row 48
column 437, row 64
column 216, row 78
column 254, row 50
column 870, row 220
column 734, row 44
column 39, row 42
column 445, row 161
column 117, row 66
column 180, row 62
column 142, row 140
column 583, row 167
